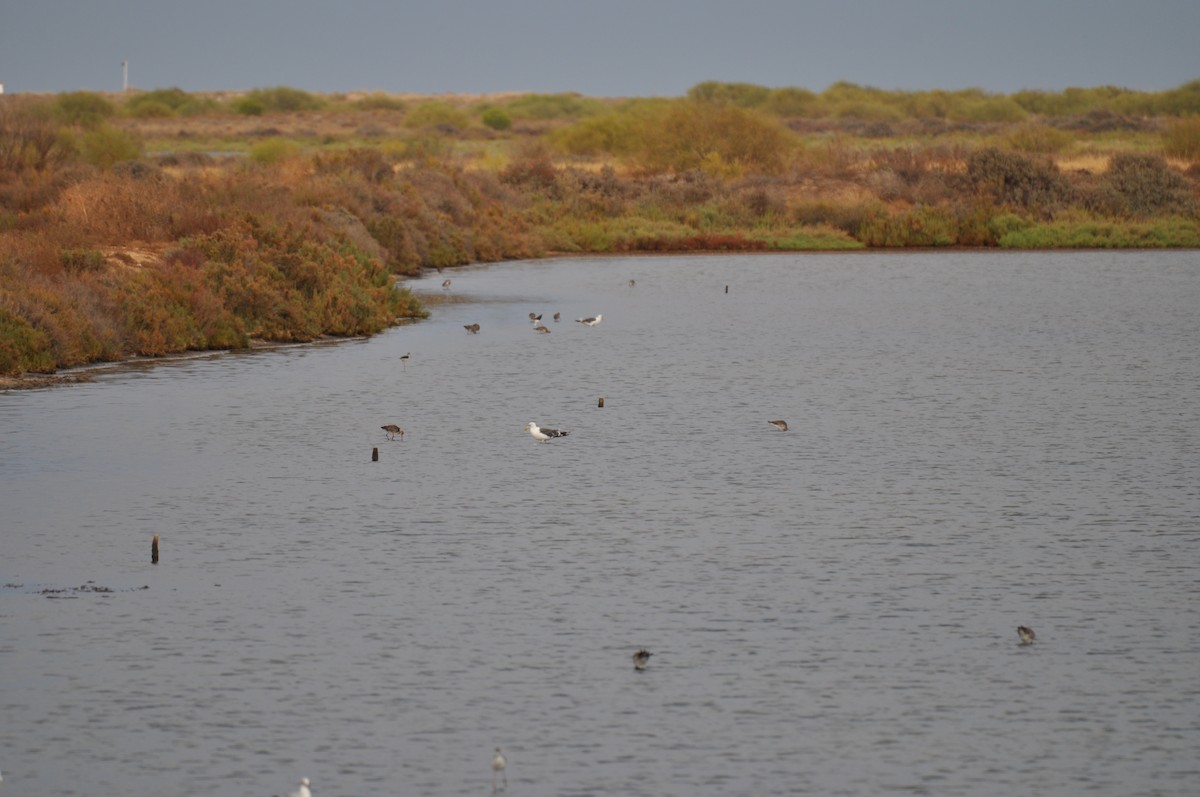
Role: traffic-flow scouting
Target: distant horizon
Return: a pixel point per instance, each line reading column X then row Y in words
column 518, row 92
column 623, row 48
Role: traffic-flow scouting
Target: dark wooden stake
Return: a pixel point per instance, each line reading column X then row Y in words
column 600, row 403
column 154, row 550
column 374, row 454
column 727, row 289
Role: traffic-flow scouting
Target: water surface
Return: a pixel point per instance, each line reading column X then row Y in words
column 977, row 441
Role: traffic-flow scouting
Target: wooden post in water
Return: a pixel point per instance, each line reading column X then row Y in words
column 727, row 289
column 600, row 403
column 374, row 454
column 154, row 550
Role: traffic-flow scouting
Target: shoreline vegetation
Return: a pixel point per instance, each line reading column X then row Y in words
column 153, row 223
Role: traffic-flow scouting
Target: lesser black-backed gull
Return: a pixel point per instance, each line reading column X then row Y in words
column 591, row 322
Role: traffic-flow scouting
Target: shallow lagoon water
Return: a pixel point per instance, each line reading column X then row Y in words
column 978, row 441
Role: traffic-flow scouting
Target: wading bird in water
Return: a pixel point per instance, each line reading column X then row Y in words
column 641, row 659
column 391, row 430
column 499, row 767
column 591, row 322
column 780, row 425
column 1026, row 634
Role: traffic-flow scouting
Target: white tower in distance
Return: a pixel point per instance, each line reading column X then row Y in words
column 124, row 76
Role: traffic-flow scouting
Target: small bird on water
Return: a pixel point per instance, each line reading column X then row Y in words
column 591, row 322
column 780, row 425
column 1026, row 634
column 446, row 284
column 303, row 791
column 543, row 434
column 472, row 328
column 558, row 316
column 535, row 318
column 392, row 430
column 540, row 327
column 641, row 659
column 499, row 767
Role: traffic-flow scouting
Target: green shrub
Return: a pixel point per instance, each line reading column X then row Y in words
column 718, row 139
column 106, row 146
column 151, row 110
column 791, row 102
column 991, row 109
column 1144, row 185
column 83, row 260
column 552, row 106
column 1014, row 179
column 378, row 102
column 612, row 133
column 22, row 347
column 922, row 226
column 1106, row 234
column 171, row 99
column 273, row 150
column 437, row 114
column 249, row 106
column 497, row 119
column 282, row 98
column 84, row 108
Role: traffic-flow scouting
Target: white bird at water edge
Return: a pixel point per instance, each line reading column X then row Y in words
column 543, row 434
column 591, row 322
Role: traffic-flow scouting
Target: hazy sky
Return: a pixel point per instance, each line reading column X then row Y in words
column 599, row 47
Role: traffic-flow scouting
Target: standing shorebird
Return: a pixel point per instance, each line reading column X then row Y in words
column 1026, row 634
column 535, row 318
column 543, row 434
column 780, row 425
column 641, row 659
column 591, row 322
column 632, row 283
column 558, row 316
column 472, row 328
column 445, row 283
column 404, row 359
column 392, row 430
column 499, row 767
